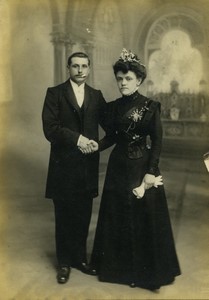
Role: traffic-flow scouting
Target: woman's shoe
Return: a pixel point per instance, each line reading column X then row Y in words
column 86, row 268
column 133, row 285
column 153, row 288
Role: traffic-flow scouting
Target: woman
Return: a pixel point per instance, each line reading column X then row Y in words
column 133, row 243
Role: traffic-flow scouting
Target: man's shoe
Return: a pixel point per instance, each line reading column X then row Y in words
column 87, row 269
column 63, row 274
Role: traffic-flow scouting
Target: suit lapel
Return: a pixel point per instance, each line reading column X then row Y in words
column 70, row 96
column 87, row 97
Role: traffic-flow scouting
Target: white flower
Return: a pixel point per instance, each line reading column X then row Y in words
column 128, row 56
column 136, row 115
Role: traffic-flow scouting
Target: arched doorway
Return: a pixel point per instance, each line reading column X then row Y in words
column 173, row 47
column 176, row 60
column 175, row 57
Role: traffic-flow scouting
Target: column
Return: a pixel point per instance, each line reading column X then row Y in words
column 58, row 40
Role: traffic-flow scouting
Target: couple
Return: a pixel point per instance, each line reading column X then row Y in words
column 133, row 243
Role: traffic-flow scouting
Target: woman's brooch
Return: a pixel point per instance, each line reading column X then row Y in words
column 137, row 114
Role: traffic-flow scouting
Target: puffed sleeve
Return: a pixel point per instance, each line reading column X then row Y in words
column 102, row 110
column 156, row 134
column 109, row 127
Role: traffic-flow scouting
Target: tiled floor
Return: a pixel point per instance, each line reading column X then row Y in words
column 27, row 238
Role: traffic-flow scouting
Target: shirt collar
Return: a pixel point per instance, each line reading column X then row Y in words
column 75, row 86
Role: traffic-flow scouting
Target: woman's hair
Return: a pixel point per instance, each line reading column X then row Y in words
column 128, row 61
column 134, row 66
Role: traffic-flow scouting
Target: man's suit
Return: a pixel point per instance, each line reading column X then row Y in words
column 72, row 180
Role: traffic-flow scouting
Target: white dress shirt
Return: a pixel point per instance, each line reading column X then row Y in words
column 78, row 91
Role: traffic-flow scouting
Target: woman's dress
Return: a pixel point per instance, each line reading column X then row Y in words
column 134, row 241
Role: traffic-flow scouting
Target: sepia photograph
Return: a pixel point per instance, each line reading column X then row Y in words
column 104, row 153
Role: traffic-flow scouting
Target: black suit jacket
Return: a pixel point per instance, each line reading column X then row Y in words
column 70, row 171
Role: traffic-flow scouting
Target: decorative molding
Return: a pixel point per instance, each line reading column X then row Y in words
column 185, row 129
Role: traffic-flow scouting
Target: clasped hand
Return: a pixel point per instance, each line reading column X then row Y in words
column 87, row 146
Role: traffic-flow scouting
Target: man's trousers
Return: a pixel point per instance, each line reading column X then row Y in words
column 72, row 219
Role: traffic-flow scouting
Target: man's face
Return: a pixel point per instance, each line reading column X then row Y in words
column 79, row 69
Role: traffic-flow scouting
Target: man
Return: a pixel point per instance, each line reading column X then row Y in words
column 71, row 114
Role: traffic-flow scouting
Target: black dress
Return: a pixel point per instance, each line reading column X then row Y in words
column 134, row 241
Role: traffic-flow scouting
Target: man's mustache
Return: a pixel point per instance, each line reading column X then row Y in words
column 83, row 75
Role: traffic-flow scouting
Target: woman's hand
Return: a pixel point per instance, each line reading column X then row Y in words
column 140, row 190
column 94, row 145
column 149, row 181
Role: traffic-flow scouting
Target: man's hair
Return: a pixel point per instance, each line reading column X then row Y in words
column 78, row 54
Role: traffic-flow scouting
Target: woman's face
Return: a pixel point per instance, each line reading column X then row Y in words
column 128, row 82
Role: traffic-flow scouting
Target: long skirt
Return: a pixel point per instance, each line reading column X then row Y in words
column 134, row 240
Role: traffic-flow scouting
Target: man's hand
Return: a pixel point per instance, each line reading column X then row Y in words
column 149, row 181
column 82, row 142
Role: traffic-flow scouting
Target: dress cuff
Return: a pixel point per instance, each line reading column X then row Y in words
column 151, row 171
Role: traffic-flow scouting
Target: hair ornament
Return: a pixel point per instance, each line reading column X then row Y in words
column 128, row 56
